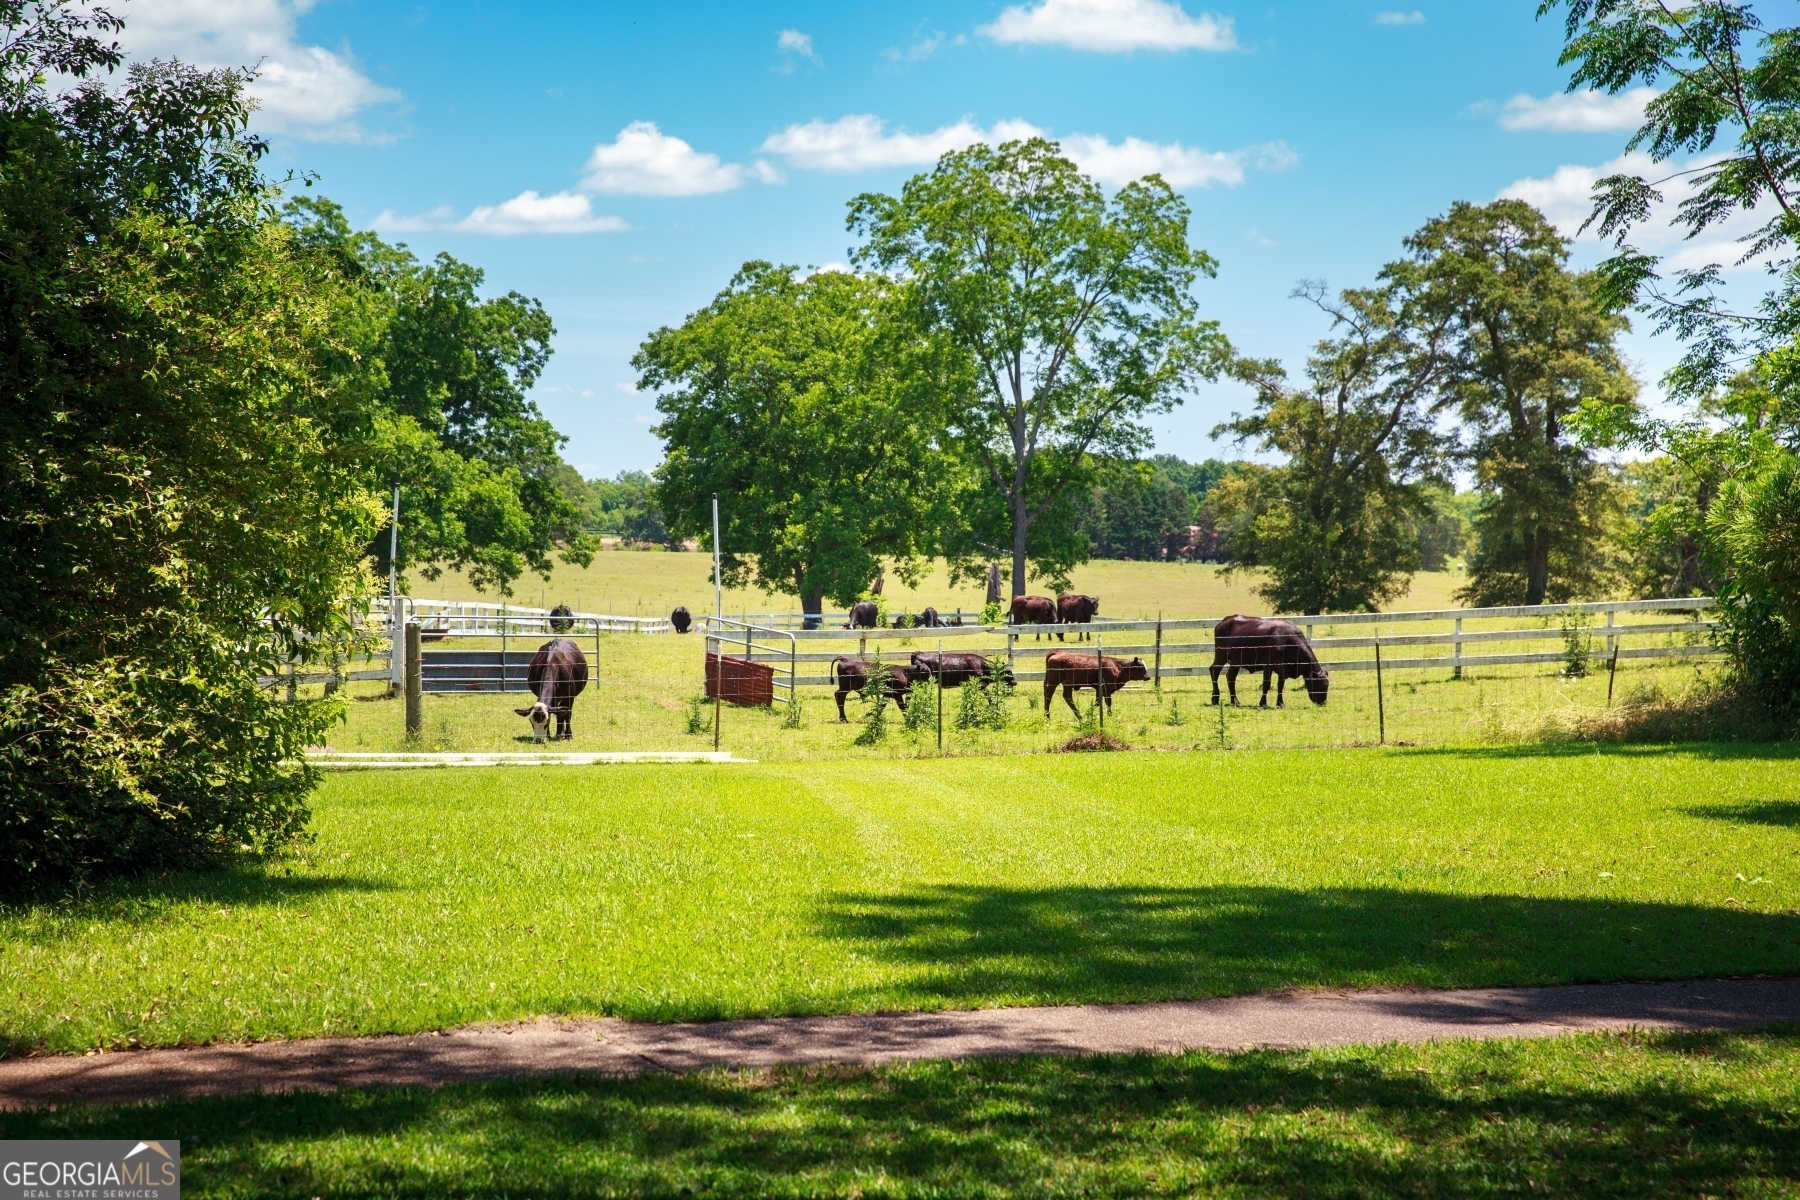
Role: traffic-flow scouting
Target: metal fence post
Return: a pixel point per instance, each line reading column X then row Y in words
column 1099, row 681
column 1458, row 650
column 415, row 697
column 1612, row 673
column 1611, row 641
column 937, row 695
column 1380, row 699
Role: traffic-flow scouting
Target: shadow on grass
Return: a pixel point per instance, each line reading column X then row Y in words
column 1596, row 1116
column 1711, row 751
column 1785, row 813
column 978, row 945
column 149, row 897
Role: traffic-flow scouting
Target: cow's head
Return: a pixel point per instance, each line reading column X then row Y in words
column 1136, row 671
column 539, row 716
column 1318, row 682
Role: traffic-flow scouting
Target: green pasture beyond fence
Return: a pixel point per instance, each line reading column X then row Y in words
column 1446, row 676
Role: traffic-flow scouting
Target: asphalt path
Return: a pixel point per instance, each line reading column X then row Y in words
column 613, row 1047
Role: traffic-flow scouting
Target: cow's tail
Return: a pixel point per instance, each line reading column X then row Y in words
column 837, row 672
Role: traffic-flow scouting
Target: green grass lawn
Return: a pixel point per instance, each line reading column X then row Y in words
column 436, row 898
column 1591, row 1116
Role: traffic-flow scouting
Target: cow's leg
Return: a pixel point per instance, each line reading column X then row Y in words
column 1110, row 689
column 1280, row 689
column 900, row 699
column 1215, row 680
column 1264, row 702
column 1069, row 699
column 1049, row 693
column 842, row 719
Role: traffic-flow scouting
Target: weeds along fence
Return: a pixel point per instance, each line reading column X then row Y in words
column 1396, row 676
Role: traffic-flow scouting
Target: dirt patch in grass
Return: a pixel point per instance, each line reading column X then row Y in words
column 1090, row 742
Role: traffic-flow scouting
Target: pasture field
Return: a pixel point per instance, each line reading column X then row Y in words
column 652, row 582
column 438, row 898
column 648, row 696
column 1593, row 1116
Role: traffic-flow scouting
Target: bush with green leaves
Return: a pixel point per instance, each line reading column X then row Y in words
column 875, row 696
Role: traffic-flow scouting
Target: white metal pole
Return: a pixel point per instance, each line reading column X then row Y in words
column 396, row 652
column 718, row 591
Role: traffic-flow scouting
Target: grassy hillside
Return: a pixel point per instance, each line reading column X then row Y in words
column 651, row 582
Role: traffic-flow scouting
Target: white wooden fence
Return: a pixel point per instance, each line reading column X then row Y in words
column 1631, row 627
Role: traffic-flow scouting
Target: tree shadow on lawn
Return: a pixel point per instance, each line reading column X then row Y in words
column 1713, row 751
column 1780, row 813
column 151, row 897
column 969, row 945
column 1595, row 1116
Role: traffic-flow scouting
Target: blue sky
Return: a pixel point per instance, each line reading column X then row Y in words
column 620, row 161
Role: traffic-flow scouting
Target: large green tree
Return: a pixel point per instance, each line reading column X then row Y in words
column 449, row 374
column 1526, row 342
column 1076, row 313
column 1335, row 526
column 1724, row 126
column 813, row 414
column 183, row 491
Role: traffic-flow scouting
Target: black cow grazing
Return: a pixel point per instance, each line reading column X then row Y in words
column 1275, row 648
column 853, row 675
column 681, row 619
column 558, row 672
column 562, row 619
column 1070, row 671
column 954, row 669
column 1072, row 608
column 864, row 614
column 1032, row 610
column 928, row 619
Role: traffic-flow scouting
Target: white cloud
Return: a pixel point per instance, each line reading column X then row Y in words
column 626, row 387
column 641, row 419
column 922, row 48
column 1111, row 26
column 528, row 212
column 1578, row 112
column 644, row 161
column 1566, row 197
column 1182, row 166
column 862, row 141
column 792, row 41
column 304, row 90
column 1415, row 17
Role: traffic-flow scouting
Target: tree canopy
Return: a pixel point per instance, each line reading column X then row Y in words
column 1076, row 314
column 813, row 414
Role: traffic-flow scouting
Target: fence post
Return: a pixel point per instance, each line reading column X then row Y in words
column 293, row 688
column 1099, row 681
column 1380, row 698
column 937, row 694
column 415, row 687
column 1612, row 672
column 1611, row 641
column 1458, row 650
column 1159, row 658
column 396, row 650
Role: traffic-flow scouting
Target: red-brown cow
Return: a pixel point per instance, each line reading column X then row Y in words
column 1276, row 648
column 953, row 669
column 1072, row 608
column 1033, row 610
column 853, row 675
column 1070, row 671
column 557, row 674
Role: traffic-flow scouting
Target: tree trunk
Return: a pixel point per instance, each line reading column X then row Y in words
column 812, row 604
column 1021, row 524
column 993, row 586
column 1538, row 580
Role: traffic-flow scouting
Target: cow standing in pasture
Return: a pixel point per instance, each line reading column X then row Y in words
column 1032, row 610
column 681, row 619
column 557, row 674
column 1276, row 648
column 864, row 614
column 1071, row 671
column 1072, row 608
column 953, row 669
column 853, row 675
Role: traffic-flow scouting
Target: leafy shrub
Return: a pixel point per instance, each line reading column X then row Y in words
column 874, row 694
